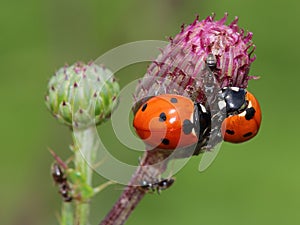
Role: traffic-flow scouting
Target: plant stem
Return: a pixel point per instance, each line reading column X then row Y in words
column 133, row 194
column 85, row 151
column 103, row 186
column 67, row 217
column 82, row 211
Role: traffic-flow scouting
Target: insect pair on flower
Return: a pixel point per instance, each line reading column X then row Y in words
column 170, row 121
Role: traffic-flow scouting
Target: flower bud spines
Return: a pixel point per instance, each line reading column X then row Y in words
column 82, row 95
column 182, row 61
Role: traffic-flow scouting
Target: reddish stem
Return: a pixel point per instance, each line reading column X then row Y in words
column 156, row 162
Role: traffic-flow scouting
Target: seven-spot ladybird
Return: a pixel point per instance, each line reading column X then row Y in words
column 243, row 115
column 171, row 121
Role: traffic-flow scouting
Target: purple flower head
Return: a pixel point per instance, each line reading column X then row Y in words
column 180, row 67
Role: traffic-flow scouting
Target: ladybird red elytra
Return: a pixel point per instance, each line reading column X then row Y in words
column 170, row 121
column 244, row 115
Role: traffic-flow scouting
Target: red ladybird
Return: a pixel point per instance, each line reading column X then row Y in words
column 244, row 115
column 171, row 121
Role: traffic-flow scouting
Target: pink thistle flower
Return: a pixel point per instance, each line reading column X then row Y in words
column 178, row 69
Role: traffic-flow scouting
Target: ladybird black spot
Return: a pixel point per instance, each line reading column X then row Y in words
column 174, row 100
column 250, row 113
column 247, row 134
column 231, row 132
column 162, row 117
column 187, row 126
column 144, row 107
column 165, row 141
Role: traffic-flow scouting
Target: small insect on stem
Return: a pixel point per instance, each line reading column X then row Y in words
column 61, row 180
column 158, row 186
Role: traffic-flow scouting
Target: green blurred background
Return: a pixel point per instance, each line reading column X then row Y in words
column 252, row 183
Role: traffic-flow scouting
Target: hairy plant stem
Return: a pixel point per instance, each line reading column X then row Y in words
column 84, row 151
column 67, row 214
column 157, row 163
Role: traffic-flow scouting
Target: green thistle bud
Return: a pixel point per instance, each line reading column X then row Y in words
column 82, row 95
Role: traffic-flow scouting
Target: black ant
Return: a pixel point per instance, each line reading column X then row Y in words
column 158, row 186
column 61, row 180
column 211, row 62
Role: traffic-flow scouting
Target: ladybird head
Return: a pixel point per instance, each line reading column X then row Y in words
column 235, row 99
column 243, row 124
